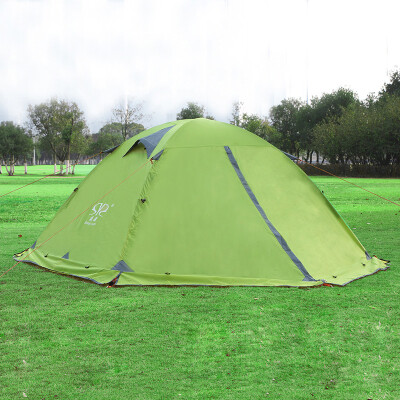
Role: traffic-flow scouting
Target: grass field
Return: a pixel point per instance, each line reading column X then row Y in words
column 66, row 339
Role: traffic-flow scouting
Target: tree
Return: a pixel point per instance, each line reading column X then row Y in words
column 236, row 113
column 255, row 124
column 105, row 140
column 14, row 144
column 57, row 123
column 387, row 129
column 284, row 120
column 274, row 137
column 128, row 117
column 79, row 146
column 366, row 133
column 329, row 107
column 261, row 127
column 45, row 149
column 393, row 87
column 305, row 124
column 71, row 123
column 117, row 129
column 327, row 141
column 192, row 111
column 42, row 122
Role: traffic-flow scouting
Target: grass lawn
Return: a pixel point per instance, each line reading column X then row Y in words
column 66, row 339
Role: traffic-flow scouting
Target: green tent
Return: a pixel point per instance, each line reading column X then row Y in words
column 200, row 202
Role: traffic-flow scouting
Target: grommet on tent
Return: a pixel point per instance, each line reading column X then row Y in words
column 143, row 200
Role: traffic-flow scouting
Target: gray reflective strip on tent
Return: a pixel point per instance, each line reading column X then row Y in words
column 278, row 236
column 66, row 256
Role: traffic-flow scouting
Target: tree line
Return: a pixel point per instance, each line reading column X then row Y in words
column 336, row 127
column 57, row 132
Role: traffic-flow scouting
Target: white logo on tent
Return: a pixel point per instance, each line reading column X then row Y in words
column 97, row 211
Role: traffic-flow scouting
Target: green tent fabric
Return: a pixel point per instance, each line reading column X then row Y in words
column 200, row 202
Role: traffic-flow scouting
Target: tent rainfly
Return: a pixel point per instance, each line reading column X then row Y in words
column 200, row 202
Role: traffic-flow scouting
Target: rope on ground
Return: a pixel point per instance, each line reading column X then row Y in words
column 351, row 183
column 46, row 176
column 72, row 220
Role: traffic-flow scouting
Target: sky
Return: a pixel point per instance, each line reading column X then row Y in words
column 214, row 52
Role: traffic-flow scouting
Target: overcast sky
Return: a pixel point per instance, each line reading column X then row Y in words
column 168, row 52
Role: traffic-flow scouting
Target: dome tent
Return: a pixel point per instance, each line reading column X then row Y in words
column 200, row 202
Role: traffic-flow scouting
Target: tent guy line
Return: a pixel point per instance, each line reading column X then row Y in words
column 351, row 183
column 289, row 155
column 47, row 176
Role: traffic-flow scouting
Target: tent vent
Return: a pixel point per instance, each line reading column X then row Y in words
column 150, row 142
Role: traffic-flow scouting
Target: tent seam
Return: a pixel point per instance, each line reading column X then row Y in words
column 136, row 213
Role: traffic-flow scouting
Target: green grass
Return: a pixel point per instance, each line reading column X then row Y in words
column 66, row 339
